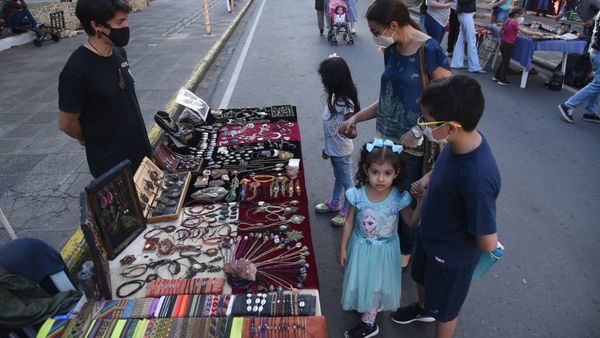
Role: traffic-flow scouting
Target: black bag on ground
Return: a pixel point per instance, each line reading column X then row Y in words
column 579, row 70
column 556, row 81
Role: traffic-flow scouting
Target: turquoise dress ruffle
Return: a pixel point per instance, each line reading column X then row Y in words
column 372, row 279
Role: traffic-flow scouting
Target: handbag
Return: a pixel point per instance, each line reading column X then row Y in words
column 431, row 149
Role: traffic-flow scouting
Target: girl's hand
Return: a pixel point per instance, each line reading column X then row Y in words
column 343, row 257
column 324, row 155
column 409, row 140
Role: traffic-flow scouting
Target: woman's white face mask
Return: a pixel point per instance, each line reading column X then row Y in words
column 382, row 40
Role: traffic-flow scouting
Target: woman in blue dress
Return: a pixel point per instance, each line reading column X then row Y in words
column 370, row 245
column 399, row 104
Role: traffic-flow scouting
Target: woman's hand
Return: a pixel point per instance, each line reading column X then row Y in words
column 343, row 257
column 409, row 140
column 324, row 155
column 348, row 128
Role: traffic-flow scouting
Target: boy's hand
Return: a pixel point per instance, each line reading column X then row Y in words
column 343, row 257
column 324, row 155
column 417, row 190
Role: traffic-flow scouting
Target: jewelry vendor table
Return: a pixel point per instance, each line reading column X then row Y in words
column 163, row 282
column 525, row 47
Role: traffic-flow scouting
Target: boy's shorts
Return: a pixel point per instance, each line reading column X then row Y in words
column 445, row 288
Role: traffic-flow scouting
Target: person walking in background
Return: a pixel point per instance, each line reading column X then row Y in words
column 590, row 94
column 509, row 38
column 352, row 14
column 454, row 231
column 500, row 10
column 436, row 18
column 453, row 29
column 401, row 86
column 466, row 10
column 370, row 248
column 342, row 102
column 322, row 8
column 97, row 100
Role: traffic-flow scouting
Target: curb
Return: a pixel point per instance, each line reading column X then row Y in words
column 200, row 70
column 72, row 250
column 536, row 60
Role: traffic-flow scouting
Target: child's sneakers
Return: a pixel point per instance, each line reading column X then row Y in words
column 411, row 313
column 328, row 206
column 362, row 330
column 338, row 220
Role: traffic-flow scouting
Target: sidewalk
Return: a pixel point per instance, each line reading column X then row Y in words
column 546, row 60
column 43, row 171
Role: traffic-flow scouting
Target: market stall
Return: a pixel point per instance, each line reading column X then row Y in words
column 525, row 47
column 210, row 238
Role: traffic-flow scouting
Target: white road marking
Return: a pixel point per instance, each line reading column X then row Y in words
column 240, row 63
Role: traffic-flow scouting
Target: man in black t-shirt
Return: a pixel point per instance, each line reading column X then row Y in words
column 97, row 100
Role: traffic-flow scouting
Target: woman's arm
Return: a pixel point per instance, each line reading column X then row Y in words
column 497, row 3
column 348, row 127
column 437, row 4
column 348, row 225
column 440, row 73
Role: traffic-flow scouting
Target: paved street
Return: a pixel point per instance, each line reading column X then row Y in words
column 547, row 284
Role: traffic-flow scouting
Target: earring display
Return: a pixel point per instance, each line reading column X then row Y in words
column 161, row 194
column 115, row 208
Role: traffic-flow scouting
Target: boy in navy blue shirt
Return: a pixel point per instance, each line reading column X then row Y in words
column 459, row 212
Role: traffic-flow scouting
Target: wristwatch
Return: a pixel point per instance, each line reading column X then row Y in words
column 416, row 131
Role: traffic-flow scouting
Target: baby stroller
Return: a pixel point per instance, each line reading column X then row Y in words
column 338, row 23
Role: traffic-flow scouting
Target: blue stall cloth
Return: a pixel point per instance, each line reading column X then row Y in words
column 526, row 46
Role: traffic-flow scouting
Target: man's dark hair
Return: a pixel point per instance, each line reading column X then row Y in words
column 98, row 10
column 457, row 98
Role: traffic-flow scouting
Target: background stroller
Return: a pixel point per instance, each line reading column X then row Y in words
column 339, row 25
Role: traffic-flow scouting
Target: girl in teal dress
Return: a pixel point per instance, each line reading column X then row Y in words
column 370, row 248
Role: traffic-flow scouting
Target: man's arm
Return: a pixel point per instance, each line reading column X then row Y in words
column 69, row 124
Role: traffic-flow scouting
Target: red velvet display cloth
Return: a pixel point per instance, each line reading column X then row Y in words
column 312, row 280
column 234, row 134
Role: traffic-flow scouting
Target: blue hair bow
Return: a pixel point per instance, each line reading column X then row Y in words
column 379, row 143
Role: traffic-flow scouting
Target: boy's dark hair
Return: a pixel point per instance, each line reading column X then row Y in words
column 515, row 12
column 386, row 11
column 380, row 155
column 98, row 10
column 457, row 98
column 337, row 80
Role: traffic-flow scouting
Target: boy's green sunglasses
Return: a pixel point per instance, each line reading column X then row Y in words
column 422, row 123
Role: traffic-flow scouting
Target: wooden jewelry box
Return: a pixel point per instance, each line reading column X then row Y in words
column 161, row 194
column 172, row 163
